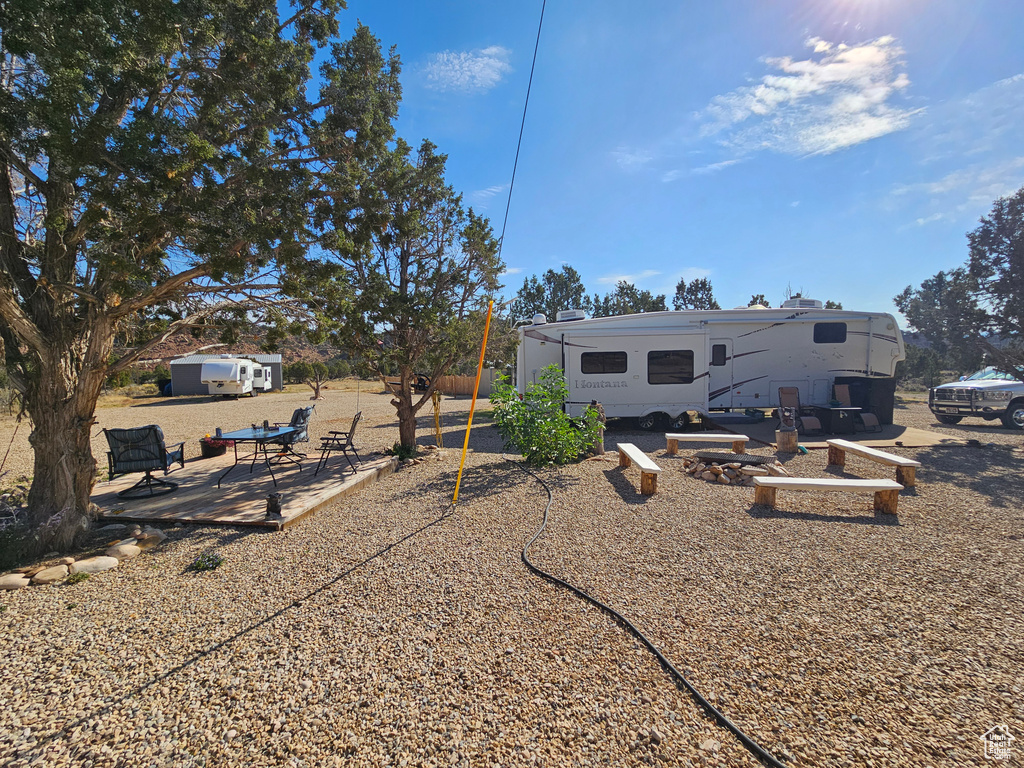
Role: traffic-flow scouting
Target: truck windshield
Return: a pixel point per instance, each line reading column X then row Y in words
column 990, row 374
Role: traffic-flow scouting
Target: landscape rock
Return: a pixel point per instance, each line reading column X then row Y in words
column 124, row 551
column 94, row 565
column 753, row 471
column 51, row 574
column 13, row 581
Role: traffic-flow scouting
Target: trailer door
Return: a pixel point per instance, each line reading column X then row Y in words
column 720, row 388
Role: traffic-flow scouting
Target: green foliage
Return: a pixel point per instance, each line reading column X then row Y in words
column 694, row 295
column 554, row 291
column 922, row 369
column 76, row 578
column 536, row 425
column 207, row 561
column 403, row 452
column 758, row 298
column 627, row 299
column 298, row 372
column 339, row 369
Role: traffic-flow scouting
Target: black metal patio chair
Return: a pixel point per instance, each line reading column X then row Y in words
column 142, row 449
column 339, row 441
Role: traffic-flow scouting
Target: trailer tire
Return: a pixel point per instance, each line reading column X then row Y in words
column 650, row 421
column 680, row 422
column 943, row 419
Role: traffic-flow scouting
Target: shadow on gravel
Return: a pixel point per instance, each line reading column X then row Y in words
column 627, row 486
column 761, row 512
column 180, row 400
column 992, row 471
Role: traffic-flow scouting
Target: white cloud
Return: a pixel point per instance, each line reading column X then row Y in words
column 930, row 219
column 511, row 271
column 631, row 159
column 468, row 71
column 973, row 185
column 634, row 279
column 714, row 167
column 483, row 196
column 839, row 97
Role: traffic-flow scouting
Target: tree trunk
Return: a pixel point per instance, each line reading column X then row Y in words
column 406, row 420
column 60, row 398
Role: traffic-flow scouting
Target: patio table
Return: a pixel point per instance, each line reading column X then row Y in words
column 260, row 438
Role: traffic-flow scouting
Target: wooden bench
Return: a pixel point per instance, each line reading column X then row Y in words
column 887, row 493
column 905, row 468
column 739, row 442
column 629, row 453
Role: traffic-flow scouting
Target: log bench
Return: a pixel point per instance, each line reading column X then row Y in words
column 649, row 471
column 739, row 442
column 887, row 492
column 905, row 468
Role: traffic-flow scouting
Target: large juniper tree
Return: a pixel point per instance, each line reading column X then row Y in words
column 158, row 166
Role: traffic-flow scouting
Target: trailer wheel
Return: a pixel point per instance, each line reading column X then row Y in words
column 680, row 422
column 649, row 421
column 943, row 419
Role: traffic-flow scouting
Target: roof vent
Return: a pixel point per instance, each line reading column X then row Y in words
column 225, row 355
column 565, row 315
column 801, row 304
column 539, row 319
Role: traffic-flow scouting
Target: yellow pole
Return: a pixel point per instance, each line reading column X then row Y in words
column 472, row 406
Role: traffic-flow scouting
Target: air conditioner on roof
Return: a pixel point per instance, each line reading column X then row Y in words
column 565, row 315
column 801, row 304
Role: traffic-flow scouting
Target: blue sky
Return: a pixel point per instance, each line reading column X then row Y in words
column 841, row 148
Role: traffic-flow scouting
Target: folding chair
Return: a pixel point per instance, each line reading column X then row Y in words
column 865, row 419
column 339, row 441
column 789, row 397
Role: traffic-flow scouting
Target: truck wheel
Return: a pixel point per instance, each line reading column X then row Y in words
column 943, row 419
column 1014, row 416
column 649, row 421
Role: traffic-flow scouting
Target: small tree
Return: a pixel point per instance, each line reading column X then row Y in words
column 758, row 298
column 554, row 291
column 627, row 299
column 694, row 295
column 537, row 427
column 318, row 375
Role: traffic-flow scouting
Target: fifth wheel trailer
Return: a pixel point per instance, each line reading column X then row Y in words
column 657, row 366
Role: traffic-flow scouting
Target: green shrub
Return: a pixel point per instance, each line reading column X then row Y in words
column 206, row 562
column 77, row 578
column 401, row 451
column 536, row 425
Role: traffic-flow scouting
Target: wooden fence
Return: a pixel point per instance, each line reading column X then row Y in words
column 462, row 386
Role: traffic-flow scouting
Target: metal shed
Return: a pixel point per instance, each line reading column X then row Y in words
column 186, row 372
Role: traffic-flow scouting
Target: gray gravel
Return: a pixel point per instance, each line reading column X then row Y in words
column 831, row 635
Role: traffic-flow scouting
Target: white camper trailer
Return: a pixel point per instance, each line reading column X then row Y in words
column 657, row 366
column 235, row 376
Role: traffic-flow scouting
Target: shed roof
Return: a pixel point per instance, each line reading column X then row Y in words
column 197, row 359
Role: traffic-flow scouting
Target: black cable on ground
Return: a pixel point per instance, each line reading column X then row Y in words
column 296, row 602
column 752, row 746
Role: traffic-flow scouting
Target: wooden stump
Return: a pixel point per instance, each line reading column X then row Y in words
column 786, row 441
column 886, row 501
column 836, row 456
column 624, row 459
column 905, row 476
column 764, row 495
column 672, row 447
column 648, row 483
column 739, row 446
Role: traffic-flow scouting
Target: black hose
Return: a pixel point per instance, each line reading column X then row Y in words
column 756, row 749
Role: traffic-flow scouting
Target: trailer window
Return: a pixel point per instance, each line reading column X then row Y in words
column 718, row 354
column 603, row 362
column 673, row 366
column 241, row 371
column 829, row 333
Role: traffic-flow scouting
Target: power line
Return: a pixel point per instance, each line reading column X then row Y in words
column 522, row 126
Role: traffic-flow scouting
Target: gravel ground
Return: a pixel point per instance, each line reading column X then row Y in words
column 831, row 635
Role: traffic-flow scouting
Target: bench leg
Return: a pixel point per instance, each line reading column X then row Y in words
column 624, row 459
column 836, row 456
column 886, row 501
column 739, row 446
column 673, row 447
column 905, row 476
column 648, row 483
column 764, row 495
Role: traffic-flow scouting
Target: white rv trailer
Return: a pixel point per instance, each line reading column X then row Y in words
column 235, row 376
column 657, row 366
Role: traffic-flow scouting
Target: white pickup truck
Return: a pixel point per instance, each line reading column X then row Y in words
column 988, row 394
